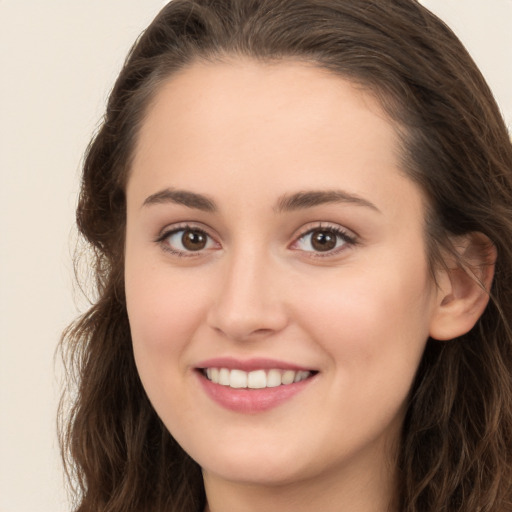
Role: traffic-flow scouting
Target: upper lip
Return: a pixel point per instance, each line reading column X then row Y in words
column 249, row 365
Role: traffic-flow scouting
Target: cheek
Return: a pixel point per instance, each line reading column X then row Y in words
column 373, row 324
column 162, row 313
column 374, row 332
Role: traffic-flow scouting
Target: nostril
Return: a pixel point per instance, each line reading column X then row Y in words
column 246, row 328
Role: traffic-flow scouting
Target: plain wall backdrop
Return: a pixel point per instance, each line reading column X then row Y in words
column 58, row 60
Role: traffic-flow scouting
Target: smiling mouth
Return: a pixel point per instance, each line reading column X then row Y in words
column 257, row 379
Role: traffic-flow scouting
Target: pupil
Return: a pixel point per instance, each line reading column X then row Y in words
column 323, row 240
column 193, row 240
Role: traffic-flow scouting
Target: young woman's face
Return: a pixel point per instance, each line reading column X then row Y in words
column 271, row 238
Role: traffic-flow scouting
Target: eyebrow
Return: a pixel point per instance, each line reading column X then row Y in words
column 286, row 203
column 183, row 197
column 309, row 199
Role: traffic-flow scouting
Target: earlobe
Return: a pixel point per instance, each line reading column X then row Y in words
column 463, row 286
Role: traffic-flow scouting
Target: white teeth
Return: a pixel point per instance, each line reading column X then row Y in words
column 288, row 377
column 273, row 378
column 258, row 379
column 214, row 374
column 223, row 377
column 301, row 376
column 238, row 379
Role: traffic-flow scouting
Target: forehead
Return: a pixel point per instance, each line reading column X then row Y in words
column 241, row 99
column 285, row 123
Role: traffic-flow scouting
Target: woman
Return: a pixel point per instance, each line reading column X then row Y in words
column 301, row 213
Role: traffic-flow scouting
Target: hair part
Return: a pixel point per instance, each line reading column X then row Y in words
column 455, row 449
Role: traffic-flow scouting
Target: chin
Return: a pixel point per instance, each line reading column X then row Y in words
column 256, row 473
column 270, row 466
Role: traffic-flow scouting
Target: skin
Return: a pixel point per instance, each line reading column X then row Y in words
column 359, row 315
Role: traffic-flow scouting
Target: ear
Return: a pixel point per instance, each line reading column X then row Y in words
column 463, row 286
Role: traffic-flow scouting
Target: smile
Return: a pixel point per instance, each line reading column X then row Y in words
column 253, row 386
column 258, row 379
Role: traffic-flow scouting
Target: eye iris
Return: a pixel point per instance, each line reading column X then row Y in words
column 193, row 240
column 323, row 240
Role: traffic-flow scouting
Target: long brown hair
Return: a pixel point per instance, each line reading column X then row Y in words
column 455, row 452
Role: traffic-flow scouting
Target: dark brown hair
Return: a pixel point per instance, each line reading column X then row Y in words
column 455, row 452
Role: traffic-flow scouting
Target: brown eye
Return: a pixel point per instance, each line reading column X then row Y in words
column 187, row 240
column 323, row 240
column 194, row 240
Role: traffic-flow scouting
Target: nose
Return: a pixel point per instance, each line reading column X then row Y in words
column 249, row 301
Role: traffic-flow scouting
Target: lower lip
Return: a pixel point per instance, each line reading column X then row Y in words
column 251, row 401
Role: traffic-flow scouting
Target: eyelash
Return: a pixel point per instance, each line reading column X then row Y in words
column 161, row 240
column 339, row 233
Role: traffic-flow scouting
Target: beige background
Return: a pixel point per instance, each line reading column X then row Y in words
column 58, row 59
